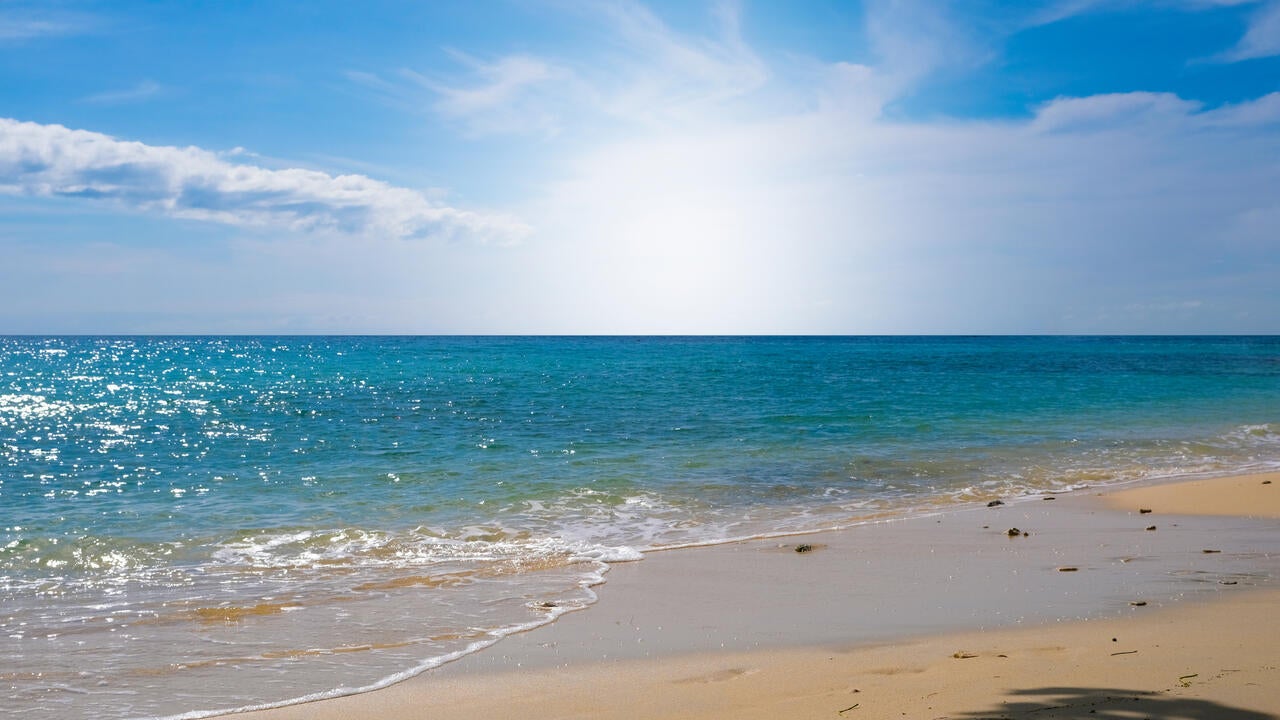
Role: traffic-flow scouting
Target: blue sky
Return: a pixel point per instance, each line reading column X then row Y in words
column 569, row 166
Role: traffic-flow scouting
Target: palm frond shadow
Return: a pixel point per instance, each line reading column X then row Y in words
column 1076, row 703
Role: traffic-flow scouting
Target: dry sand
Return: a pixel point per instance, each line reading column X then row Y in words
column 1243, row 495
column 938, row 617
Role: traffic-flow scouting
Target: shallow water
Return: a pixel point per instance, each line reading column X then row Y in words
column 192, row 524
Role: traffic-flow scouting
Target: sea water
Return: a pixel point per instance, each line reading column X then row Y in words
column 194, row 524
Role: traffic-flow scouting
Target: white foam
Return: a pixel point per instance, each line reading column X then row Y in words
column 605, row 554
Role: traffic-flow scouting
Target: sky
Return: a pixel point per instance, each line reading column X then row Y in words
column 619, row 167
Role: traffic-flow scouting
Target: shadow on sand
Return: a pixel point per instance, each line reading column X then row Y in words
column 1074, row 703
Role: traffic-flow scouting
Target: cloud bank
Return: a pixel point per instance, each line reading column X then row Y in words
column 193, row 183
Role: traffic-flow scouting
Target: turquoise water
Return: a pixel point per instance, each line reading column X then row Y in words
column 193, row 524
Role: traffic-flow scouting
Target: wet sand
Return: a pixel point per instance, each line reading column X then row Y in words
column 1092, row 606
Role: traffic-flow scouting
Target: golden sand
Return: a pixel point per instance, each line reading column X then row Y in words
column 1244, row 495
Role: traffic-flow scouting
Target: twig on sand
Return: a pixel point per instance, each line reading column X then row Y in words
column 1125, row 652
column 848, row 709
column 1182, row 679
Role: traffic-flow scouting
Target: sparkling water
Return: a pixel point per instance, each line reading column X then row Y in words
column 198, row 524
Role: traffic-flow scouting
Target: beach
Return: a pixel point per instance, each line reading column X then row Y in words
column 200, row 526
column 1106, row 601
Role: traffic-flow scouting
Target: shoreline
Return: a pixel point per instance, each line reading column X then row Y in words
column 697, row 625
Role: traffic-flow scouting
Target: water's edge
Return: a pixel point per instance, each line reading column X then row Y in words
column 950, row 509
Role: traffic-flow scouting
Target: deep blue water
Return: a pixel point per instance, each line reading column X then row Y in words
column 185, row 502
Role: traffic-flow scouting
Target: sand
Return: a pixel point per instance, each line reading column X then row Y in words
column 1092, row 614
column 1243, row 495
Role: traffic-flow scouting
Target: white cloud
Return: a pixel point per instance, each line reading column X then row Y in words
column 1151, row 111
column 1261, row 39
column 913, row 38
column 54, row 161
column 1251, row 113
column 1113, row 109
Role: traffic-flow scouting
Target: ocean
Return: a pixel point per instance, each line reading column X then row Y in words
column 196, row 524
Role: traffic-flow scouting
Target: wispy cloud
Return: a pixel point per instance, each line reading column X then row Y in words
column 54, row 161
column 501, row 82
column 142, row 91
column 1126, row 110
column 1261, row 39
column 665, row 71
column 1147, row 110
column 20, row 23
column 507, row 95
column 654, row 74
column 1250, row 113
